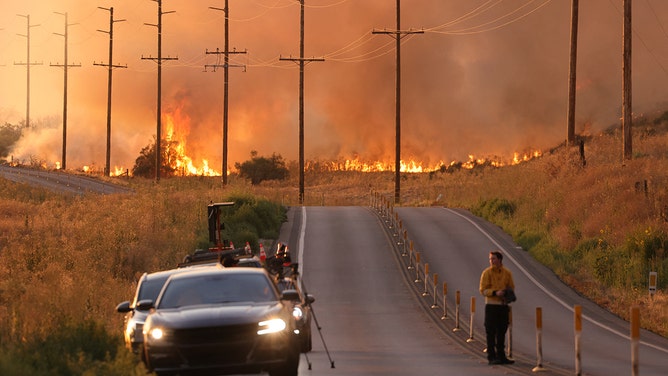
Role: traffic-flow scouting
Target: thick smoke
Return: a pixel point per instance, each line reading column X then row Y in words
column 486, row 78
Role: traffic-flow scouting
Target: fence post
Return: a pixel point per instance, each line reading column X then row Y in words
column 635, row 339
column 417, row 267
column 405, row 239
column 539, row 340
column 577, row 313
column 471, row 324
column 410, row 256
column 457, row 301
column 445, row 301
column 426, row 279
column 434, row 305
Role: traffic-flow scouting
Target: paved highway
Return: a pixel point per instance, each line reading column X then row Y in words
column 60, row 182
column 374, row 319
column 370, row 318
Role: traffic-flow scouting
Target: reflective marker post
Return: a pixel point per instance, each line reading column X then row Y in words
column 457, row 301
column 435, row 305
column 471, row 323
column 635, row 339
column 445, row 301
column 577, row 313
column 539, row 340
column 426, row 279
column 652, row 284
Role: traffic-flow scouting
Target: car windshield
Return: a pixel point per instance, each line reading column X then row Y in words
column 217, row 289
column 150, row 288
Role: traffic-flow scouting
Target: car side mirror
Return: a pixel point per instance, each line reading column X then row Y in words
column 123, row 307
column 309, row 299
column 290, row 295
column 144, row 305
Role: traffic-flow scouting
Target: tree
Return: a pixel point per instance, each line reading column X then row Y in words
column 9, row 134
column 145, row 163
column 259, row 169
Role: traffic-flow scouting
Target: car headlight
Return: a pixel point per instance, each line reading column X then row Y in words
column 271, row 326
column 156, row 334
column 298, row 313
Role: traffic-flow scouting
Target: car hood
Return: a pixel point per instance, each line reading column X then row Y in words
column 219, row 314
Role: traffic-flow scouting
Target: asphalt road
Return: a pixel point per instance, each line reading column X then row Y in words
column 374, row 321
column 370, row 318
column 60, row 182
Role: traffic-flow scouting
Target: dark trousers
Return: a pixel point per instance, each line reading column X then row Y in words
column 496, row 325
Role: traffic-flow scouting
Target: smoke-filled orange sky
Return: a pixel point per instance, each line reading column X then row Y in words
column 487, row 77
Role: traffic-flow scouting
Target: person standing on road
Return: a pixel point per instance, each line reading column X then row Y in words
column 494, row 282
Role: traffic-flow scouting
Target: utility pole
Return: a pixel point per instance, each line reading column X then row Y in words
column 159, row 59
column 302, row 62
column 570, row 138
column 627, row 113
column 398, row 35
column 226, row 75
column 27, row 64
column 65, row 66
column 110, row 68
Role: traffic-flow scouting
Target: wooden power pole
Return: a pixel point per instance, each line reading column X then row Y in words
column 398, row 34
column 627, row 113
column 65, row 67
column 570, row 138
column 110, row 67
column 226, row 75
column 27, row 64
column 159, row 59
column 302, row 62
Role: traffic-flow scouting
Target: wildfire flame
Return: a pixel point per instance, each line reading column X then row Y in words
column 414, row 166
column 177, row 128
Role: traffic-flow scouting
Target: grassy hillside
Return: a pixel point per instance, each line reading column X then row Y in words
column 65, row 262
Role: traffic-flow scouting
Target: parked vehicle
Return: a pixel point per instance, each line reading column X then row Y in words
column 148, row 288
column 301, row 311
column 219, row 320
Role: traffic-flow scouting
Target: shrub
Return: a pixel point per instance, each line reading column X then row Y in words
column 259, row 169
column 491, row 209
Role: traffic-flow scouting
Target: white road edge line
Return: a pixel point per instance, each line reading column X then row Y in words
column 300, row 245
column 526, row 273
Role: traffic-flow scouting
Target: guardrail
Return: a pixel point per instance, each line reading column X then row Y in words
column 429, row 287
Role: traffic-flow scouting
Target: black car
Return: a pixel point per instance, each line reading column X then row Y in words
column 301, row 311
column 148, row 288
column 219, row 320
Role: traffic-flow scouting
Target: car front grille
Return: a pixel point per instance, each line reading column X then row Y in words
column 219, row 334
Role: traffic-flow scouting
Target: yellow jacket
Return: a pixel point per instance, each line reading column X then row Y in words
column 494, row 279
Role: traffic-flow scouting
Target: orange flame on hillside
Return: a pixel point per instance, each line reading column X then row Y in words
column 177, row 129
column 414, row 166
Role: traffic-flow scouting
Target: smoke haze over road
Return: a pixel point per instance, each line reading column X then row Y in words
column 487, row 77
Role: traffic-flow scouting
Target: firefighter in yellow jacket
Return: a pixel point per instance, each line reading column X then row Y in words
column 494, row 282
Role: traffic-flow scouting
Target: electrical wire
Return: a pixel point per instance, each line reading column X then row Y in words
column 494, row 24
